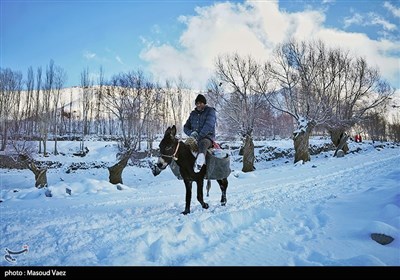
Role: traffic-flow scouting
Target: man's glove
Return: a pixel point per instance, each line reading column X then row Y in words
column 194, row 135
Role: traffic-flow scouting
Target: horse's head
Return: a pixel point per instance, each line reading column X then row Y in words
column 168, row 148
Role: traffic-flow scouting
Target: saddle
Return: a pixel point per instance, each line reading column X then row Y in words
column 217, row 162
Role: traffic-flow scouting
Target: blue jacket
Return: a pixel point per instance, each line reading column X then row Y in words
column 203, row 122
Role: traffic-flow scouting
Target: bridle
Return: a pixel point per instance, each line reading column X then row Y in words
column 174, row 154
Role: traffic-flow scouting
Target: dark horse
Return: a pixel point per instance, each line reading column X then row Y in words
column 172, row 149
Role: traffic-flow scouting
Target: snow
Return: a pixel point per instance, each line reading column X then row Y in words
column 320, row 213
column 302, row 124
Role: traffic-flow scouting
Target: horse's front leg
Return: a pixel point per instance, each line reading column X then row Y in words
column 200, row 184
column 188, row 187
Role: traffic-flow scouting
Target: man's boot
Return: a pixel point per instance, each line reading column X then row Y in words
column 200, row 161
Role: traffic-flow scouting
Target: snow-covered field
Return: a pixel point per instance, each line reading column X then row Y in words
column 320, row 213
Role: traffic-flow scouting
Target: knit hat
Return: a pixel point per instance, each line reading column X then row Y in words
column 200, row 98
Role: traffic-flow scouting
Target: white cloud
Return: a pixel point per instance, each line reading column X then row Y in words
column 156, row 29
column 378, row 20
column 89, row 55
column 378, row 53
column 118, row 58
column 369, row 20
column 168, row 63
column 269, row 17
column 395, row 11
column 355, row 19
column 256, row 28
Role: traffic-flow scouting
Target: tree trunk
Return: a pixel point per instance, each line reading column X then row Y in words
column 40, row 146
column 342, row 143
column 55, row 140
column 301, row 143
column 116, row 170
column 40, row 175
column 44, row 139
column 336, row 136
column 248, row 154
column 4, row 138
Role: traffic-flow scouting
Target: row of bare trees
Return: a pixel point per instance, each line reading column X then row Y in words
column 129, row 106
column 314, row 84
column 304, row 86
column 23, row 112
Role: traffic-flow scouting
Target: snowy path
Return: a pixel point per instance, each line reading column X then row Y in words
column 281, row 219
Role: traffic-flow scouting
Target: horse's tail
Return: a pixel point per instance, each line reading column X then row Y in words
column 208, row 185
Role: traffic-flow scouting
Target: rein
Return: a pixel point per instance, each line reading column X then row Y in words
column 174, row 154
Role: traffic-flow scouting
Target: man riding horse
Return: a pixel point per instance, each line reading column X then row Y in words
column 201, row 126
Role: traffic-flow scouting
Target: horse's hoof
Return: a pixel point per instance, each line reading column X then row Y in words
column 205, row 206
column 223, row 203
column 185, row 212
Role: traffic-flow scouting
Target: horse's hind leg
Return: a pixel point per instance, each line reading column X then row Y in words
column 208, row 186
column 223, row 184
column 188, row 198
column 200, row 194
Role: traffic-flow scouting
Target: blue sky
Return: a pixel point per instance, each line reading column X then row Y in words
column 168, row 39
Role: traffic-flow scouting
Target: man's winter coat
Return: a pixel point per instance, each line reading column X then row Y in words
column 202, row 122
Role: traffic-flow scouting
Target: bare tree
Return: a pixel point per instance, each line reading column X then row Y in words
column 59, row 79
column 70, row 119
column 394, row 129
column 127, row 97
column 154, row 123
column 99, row 101
column 66, row 116
column 45, row 114
column 24, row 153
column 87, row 96
column 38, row 104
column 131, row 98
column 16, row 108
column 174, row 102
column 375, row 125
column 120, row 103
column 324, row 87
column 358, row 89
column 10, row 94
column 236, row 90
column 173, row 93
column 29, row 103
column 304, row 74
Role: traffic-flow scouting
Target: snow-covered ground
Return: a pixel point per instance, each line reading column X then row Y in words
column 320, row 213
